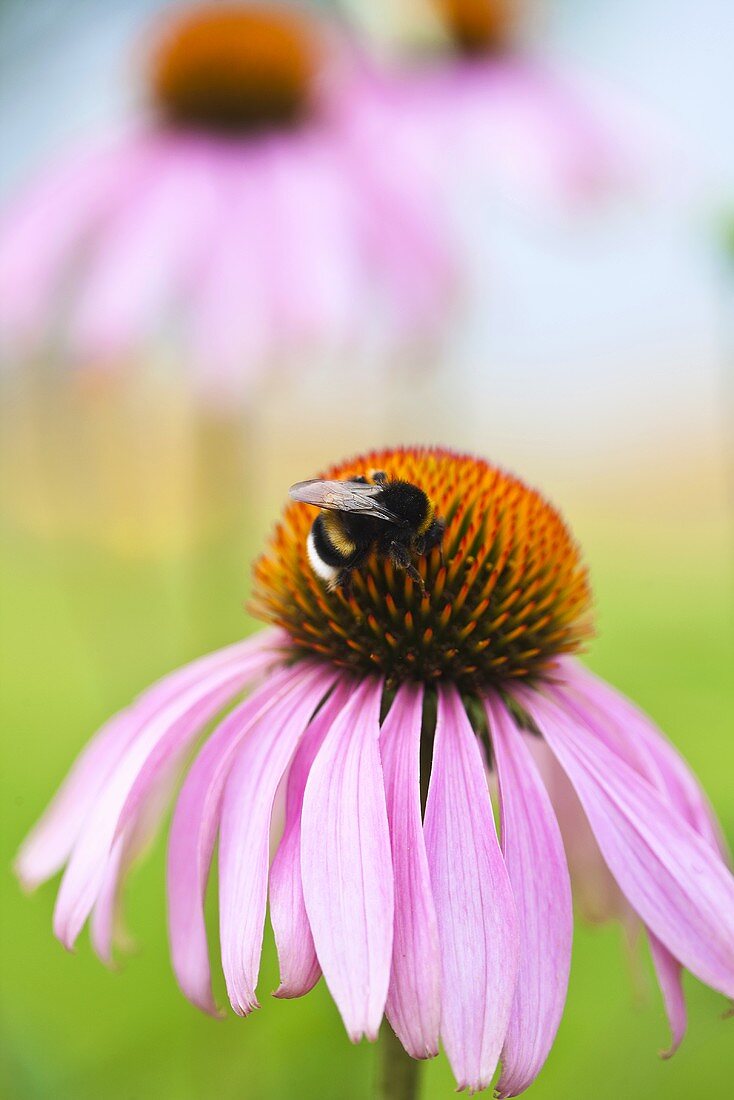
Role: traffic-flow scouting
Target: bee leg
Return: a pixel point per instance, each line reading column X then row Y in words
column 343, row 583
column 379, row 477
column 400, row 556
column 413, row 572
column 434, row 535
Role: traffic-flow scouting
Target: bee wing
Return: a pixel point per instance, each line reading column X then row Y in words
column 343, row 496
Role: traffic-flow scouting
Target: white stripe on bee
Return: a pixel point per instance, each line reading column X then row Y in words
column 321, row 569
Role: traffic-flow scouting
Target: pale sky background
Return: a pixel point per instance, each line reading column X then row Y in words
column 605, row 335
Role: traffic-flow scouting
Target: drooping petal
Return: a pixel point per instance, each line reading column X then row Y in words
column 671, row 876
column 247, row 806
column 346, row 864
column 196, row 821
column 168, row 730
column 647, row 748
column 670, row 979
column 623, row 728
column 477, row 920
column 269, row 641
column 299, row 967
column 414, row 997
column 107, row 928
column 106, row 913
column 86, row 869
column 594, row 888
column 249, row 667
column 47, row 847
column 536, row 863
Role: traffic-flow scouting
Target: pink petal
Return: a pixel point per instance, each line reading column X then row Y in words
column 549, row 142
column 299, row 967
column 232, row 331
column 414, row 998
column 404, row 234
column 594, row 888
column 520, row 129
column 536, row 863
column 106, row 913
column 249, row 666
column 669, row 974
column 47, row 847
column 167, row 731
column 106, row 925
column 625, row 729
column 346, row 865
column 313, row 213
column 146, row 252
column 477, row 921
column 196, row 820
column 672, row 877
column 168, row 687
column 42, row 230
column 259, row 765
column 415, row 264
column 646, row 748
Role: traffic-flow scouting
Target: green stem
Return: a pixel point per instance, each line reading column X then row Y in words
column 398, row 1073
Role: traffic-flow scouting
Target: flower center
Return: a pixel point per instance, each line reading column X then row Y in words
column 505, row 593
column 234, row 68
column 479, row 26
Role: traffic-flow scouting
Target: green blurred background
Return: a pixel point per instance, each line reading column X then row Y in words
column 594, row 364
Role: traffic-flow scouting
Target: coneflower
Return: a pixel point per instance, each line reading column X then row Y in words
column 235, row 220
column 385, row 715
column 469, row 79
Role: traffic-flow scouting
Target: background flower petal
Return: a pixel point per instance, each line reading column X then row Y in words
column 41, row 233
column 145, row 254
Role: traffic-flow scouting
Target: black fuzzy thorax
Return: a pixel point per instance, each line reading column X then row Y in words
column 406, row 501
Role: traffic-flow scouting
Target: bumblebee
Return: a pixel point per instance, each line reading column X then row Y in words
column 393, row 518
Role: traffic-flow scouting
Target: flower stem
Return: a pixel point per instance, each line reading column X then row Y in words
column 398, row 1073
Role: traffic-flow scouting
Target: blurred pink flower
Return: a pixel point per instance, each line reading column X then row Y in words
column 480, row 106
column 238, row 214
column 362, row 706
